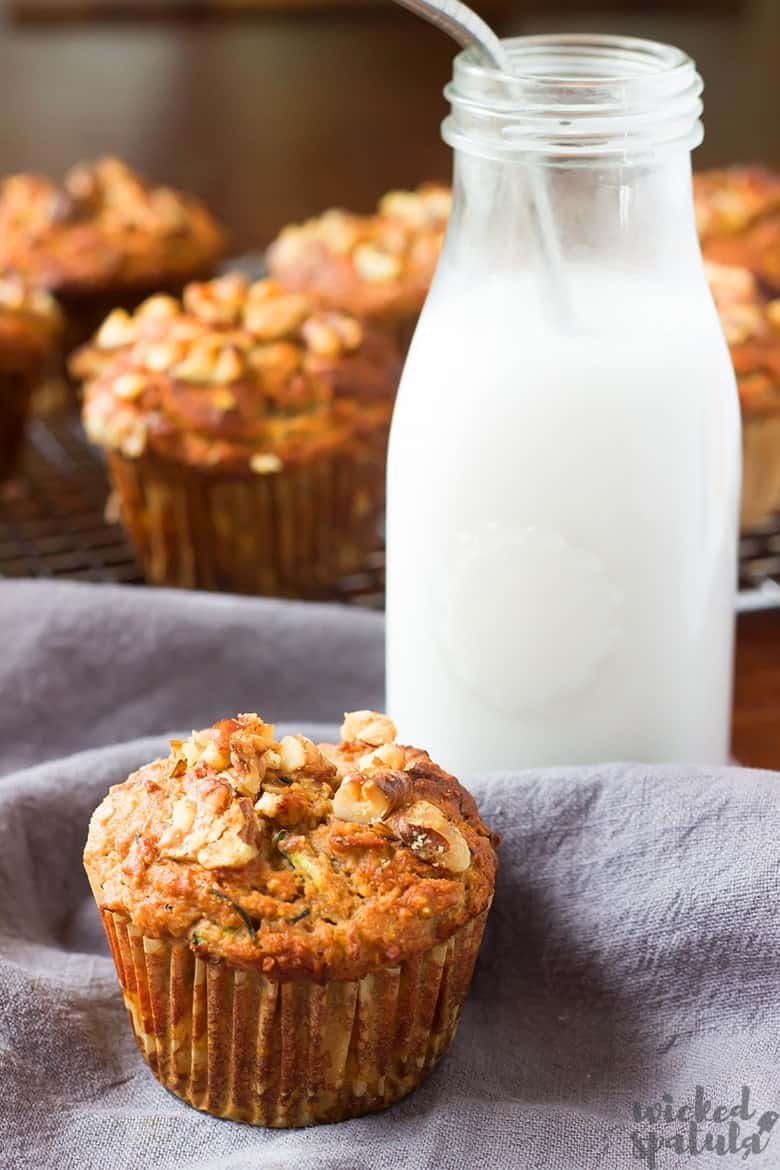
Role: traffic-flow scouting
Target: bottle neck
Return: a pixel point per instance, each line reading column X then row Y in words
column 636, row 217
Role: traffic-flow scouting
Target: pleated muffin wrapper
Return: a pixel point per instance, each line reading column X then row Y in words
column 289, row 533
column 239, row 1045
column 760, row 471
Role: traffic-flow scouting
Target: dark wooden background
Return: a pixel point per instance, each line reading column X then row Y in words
column 276, row 113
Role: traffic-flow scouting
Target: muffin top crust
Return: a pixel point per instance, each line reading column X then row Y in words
column 30, row 322
column 103, row 228
column 377, row 266
column 751, row 324
column 738, row 219
column 730, row 199
column 235, row 376
column 300, row 860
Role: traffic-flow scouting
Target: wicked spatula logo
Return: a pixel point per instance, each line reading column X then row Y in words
column 690, row 1128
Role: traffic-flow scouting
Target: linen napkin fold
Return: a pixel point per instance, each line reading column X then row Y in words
column 625, row 1010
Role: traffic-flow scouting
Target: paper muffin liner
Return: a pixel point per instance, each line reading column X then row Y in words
column 760, row 471
column 16, row 390
column 239, row 1045
column 293, row 533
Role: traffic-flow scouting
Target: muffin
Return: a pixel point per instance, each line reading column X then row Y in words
column 30, row 325
column 103, row 238
column 751, row 324
column 738, row 219
column 378, row 267
column 246, row 434
column 294, row 926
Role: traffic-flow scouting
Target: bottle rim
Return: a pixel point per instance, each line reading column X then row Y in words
column 575, row 96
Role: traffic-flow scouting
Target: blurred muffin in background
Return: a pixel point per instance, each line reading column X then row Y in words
column 30, row 326
column 246, row 433
column 378, row 267
column 738, row 219
column 104, row 237
column 751, row 324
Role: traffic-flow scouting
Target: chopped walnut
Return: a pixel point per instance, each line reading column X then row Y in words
column 117, row 329
column 225, row 331
column 388, row 755
column 247, row 758
column 428, row 206
column 130, row 385
column 368, row 727
column 229, row 366
column 404, row 205
column 375, row 265
column 321, row 337
column 160, row 307
column 338, row 229
column 427, row 832
column 158, row 356
column 216, row 302
column 274, row 317
column 209, row 828
column 201, row 360
column 299, row 754
column 366, row 798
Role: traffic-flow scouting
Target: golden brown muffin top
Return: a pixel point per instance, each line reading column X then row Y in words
column 300, row 860
column 103, row 228
column 738, row 217
column 235, row 376
column 30, row 322
column 751, row 325
column 378, row 266
column 730, row 199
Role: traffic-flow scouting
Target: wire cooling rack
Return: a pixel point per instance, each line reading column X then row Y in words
column 53, row 519
column 53, row 524
column 52, row 514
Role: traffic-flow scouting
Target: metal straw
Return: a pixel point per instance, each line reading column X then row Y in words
column 471, row 31
column 464, row 26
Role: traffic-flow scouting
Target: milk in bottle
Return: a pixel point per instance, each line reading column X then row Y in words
column 564, row 459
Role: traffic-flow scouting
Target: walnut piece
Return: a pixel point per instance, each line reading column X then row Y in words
column 389, row 755
column 117, row 329
column 369, row 727
column 374, row 265
column 427, row 832
column 365, row 798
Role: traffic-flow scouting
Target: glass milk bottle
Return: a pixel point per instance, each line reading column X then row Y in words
column 564, row 459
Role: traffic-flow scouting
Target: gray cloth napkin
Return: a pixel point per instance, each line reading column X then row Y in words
column 631, row 963
column 86, row 665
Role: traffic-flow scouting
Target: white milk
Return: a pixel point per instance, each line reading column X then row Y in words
column 562, row 526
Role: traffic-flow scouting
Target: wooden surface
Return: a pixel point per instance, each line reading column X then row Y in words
column 756, row 739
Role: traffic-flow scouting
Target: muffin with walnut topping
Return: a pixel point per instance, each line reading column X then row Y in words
column 30, row 326
column 378, row 266
column 751, row 324
column 246, row 434
column 738, row 219
column 294, row 926
column 104, row 237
